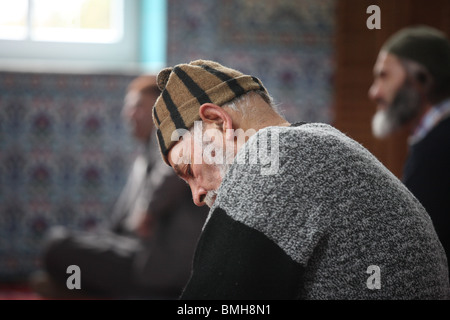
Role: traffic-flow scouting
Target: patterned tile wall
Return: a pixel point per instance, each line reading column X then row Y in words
column 287, row 44
column 64, row 155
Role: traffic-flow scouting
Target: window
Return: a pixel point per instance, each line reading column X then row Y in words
column 94, row 21
column 73, row 35
column 13, row 19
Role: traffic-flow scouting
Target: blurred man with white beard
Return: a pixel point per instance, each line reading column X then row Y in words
column 412, row 91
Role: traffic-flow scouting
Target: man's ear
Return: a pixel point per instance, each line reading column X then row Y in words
column 425, row 80
column 217, row 116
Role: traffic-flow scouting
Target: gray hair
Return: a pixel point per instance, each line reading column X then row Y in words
column 243, row 103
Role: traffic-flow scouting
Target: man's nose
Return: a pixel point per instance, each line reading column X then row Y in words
column 374, row 91
column 198, row 195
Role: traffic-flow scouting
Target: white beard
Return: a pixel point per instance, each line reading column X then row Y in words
column 223, row 168
column 210, row 197
column 406, row 105
column 382, row 125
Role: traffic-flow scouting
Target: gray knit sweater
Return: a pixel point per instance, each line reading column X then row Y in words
column 315, row 216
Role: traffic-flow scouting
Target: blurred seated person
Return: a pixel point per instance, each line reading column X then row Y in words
column 146, row 249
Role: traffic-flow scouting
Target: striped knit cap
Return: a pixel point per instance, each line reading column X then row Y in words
column 186, row 87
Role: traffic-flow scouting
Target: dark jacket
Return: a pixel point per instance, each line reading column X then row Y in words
column 427, row 176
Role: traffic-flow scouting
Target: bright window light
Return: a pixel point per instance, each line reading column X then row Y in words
column 97, row 21
column 83, row 36
column 83, row 21
column 13, row 19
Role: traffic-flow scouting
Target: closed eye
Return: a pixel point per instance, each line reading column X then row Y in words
column 189, row 171
column 184, row 172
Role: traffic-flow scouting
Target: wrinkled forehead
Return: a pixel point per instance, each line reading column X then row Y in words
column 189, row 144
column 388, row 62
column 183, row 147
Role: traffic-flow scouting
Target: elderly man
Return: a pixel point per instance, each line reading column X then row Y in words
column 297, row 211
column 412, row 92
